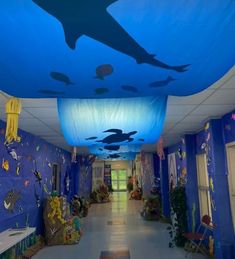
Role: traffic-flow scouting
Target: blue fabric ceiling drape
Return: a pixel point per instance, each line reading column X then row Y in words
column 109, row 122
column 114, row 49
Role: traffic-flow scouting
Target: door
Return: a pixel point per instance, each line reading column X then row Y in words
column 231, row 177
column 119, row 180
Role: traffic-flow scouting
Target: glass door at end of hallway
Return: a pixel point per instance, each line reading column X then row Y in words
column 119, row 180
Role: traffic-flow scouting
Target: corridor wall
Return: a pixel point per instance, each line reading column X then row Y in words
column 26, row 178
column 210, row 141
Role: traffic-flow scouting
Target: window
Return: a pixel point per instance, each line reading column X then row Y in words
column 203, row 186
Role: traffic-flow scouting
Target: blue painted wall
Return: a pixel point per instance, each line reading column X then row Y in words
column 210, row 141
column 30, row 149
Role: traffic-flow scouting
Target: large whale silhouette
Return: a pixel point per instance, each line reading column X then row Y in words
column 90, row 18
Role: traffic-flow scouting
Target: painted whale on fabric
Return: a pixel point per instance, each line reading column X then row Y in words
column 90, row 18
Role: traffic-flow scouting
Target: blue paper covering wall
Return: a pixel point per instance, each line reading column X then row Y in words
column 24, row 182
column 108, row 49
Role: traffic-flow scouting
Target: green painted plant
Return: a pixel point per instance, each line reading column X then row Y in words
column 179, row 216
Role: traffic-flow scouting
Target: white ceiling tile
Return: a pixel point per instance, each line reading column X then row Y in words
column 195, row 119
column 213, row 110
column 225, row 96
column 42, row 113
column 192, row 99
column 179, row 109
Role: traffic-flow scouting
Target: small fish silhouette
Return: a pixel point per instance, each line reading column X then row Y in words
column 112, row 148
column 5, row 165
column 141, row 139
column 61, row 77
column 91, row 138
column 51, row 92
column 130, row 88
column 103, row 71
column 162, row 82
column 101, row 90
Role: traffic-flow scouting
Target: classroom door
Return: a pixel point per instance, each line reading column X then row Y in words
column 231, row 177
column 119, row 180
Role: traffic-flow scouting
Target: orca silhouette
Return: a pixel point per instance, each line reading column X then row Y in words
column 90, row 18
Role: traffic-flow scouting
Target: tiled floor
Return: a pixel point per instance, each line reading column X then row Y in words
column 117, row 226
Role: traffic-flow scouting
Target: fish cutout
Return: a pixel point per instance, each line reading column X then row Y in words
column 5, row 165
column 162, row 83
column 203, row 146
column 51, row 92
column 61, row 78
column 20, row 209
column 103, row 70
column 101, row 90
column 233, row 116
column 45, row 188
column 212, row 185
column 92, row 19
column 113, row 156
column 63, row 159
column 141, row 139
column 38, row 176
column 130, row 88
column 49, row 165
column 117, row 136
column 112, row 148
column 179, row 153
column 213, row 205
column 12, row 153
column 183, row 155
column 11, row 199
column 37, row 148
column 208, row 137
column 26, row 183
column 18, row 169
column 91, row 138
column 207, row 126
column 101, row 149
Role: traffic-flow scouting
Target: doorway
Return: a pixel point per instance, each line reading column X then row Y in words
column 119, row 180
column 230, row 148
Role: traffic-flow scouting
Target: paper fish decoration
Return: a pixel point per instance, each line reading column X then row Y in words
column 213, row 205
column 233, row 116
column 45, row 189
column 11, row 199
column 207, row 126
column 38, row 176
column 18, row 169
column 183, row 155
column 13, row 154
column 37, row 148
column 212, row 184
column 5, row 165
column 208, row 137
column 26, row 183
column 203, row 145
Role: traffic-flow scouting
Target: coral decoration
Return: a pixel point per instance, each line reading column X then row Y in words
column 56, row 210
column 13, row 109
column 160, row 148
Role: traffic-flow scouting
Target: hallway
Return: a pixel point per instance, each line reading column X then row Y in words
column 118, row 226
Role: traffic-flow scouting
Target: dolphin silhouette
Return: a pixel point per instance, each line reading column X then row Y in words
column 90, row 18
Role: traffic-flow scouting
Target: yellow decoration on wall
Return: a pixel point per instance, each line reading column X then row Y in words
column 211, row 246
column 212, row 184
column 56, row 210
column 13, row 109
column 5, row 165
column 207, row 126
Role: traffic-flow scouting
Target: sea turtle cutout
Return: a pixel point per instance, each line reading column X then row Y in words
column 117, row 136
